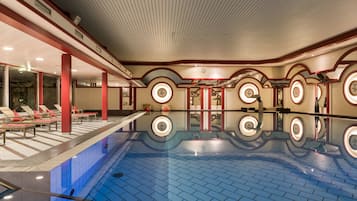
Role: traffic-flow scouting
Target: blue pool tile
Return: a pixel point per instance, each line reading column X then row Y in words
column 310, row 196
column 343, row 198
column 186, row 189
column 146, row 189
column 274, row 191
column 230, row 194
column 246, row 199
column 187, row 196
column 280, row 198
column 260, row 193
column 244, row 187
column 228, row 187
column 159, row 197
column 246, row 194
column 127, row 197
column 131, row 189
column 216, row 195
column 200, row 188
column 339, row 192
column 175, row 197
column 160, row 189
column 261, row 198
column 213, row 187
column 295, row 197
column 201, row 196
column 113, row 196
column 143, row 196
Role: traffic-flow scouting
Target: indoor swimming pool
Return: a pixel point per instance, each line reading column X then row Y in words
column 237, row 156
column 241, row 156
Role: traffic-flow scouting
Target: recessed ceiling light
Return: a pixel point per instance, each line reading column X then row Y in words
column 39, row 59
column 55, row 72
column 74, row 70
column 39, row 177
column 8, row 48
column 8, row 197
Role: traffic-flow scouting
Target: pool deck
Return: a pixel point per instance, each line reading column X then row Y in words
column 49, row 149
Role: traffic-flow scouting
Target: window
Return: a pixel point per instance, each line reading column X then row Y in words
column 49, row 91
column 22, row 88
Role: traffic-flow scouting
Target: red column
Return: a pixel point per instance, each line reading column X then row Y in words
column 66, row 80
column 188, row 98
column 222, row 98
column 209, row 107
column 130, row 95
column 40, row 88
column 120, row 98
column 105, row 96
column 223, row 107
column 134, row 99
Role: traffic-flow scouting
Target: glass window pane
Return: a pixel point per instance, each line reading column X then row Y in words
column 23, row 88
column 49, row 91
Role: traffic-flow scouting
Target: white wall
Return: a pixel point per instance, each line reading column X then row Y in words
column 91, row 98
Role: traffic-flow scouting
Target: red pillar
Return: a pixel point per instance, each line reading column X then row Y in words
column 134, row 99
column 223, row 108
column 120, row 98
column 66, row 80
column 105, row 96
column 130, row 95
column 188, row 98
column 40, row 88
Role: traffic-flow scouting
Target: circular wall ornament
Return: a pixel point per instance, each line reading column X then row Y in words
column 297, row 92
column 350, row 141
column 161, row 126
column 246, row 92
column 248, row 125
column 350, row 88
column 297, row 129
column 161, row 92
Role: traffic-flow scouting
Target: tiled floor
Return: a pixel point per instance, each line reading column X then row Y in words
column 51, row 148
column 18, row 147
column 173, row 177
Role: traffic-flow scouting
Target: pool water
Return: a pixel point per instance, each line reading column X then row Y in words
column 171, row 160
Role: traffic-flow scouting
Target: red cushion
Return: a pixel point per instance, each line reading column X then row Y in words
column 17, row 117
column 37, row 115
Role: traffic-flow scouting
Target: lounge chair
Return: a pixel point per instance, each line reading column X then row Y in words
column 17, row 127
column 44, row 109
column 76, row 110
column 34, row 114
column 15, row 119
column 3, row 133
column 78, row 115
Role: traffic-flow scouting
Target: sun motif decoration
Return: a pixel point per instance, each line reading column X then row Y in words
column 161, row 92
column 297, row 92
column 247, row 91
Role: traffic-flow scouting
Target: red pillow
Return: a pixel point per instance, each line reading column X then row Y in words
column 17, row 117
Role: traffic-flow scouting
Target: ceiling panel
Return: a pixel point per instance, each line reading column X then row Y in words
column 26, row 49
column 167, row 30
